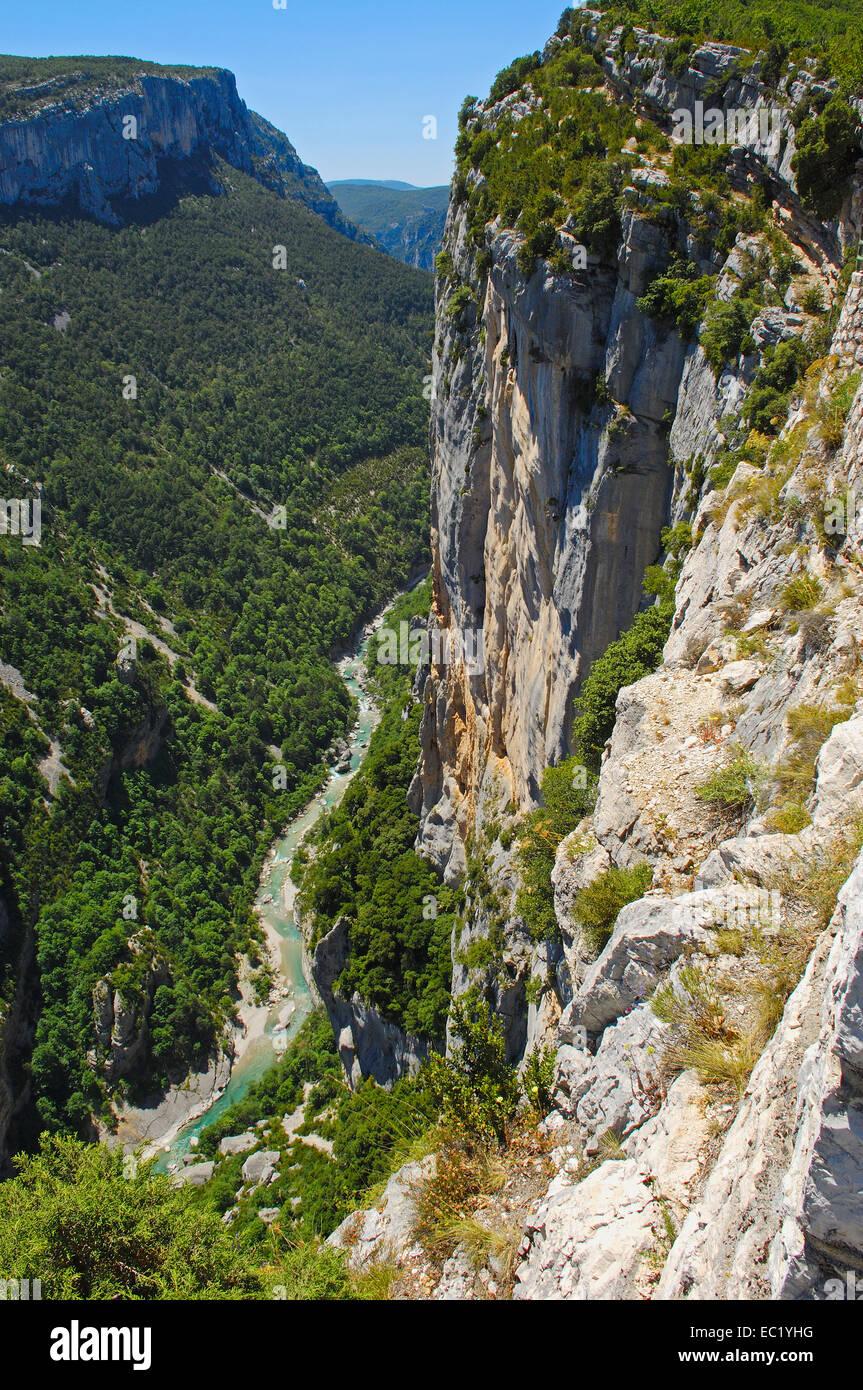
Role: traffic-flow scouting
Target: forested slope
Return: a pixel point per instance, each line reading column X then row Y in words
column 221, row 401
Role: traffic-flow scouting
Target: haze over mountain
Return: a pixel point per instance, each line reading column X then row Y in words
column 408, row 222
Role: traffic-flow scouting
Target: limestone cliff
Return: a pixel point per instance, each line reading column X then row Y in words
column 707, row 1076
column 548, row 498
column 119, row 142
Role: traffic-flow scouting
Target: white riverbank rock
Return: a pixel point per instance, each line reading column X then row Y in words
column 260, row 1167
column 237, row 1143
column 195, row 1175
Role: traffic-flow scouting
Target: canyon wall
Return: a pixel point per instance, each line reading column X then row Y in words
column 81, row 153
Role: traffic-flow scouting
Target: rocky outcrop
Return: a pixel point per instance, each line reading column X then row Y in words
column 604, row 1237
column 547, row 503
column 385, row 1230
column 139, row 746
column 121, row 1013
column 821, row 1236
column 111, row 149
column 368, row 1044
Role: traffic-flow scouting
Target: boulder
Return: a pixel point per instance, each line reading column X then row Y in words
column 259, row 1167
column 195, row 1175
column 237, row 1143
column 648, row 937
column 384, row 1231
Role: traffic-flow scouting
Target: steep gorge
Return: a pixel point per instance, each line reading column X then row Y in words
column 572, row 424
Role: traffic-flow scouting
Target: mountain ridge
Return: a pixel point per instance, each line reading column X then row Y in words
column 99, row 135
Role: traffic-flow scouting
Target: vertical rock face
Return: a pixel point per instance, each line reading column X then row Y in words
column 547, row 506
column 562, row 421
column 368, row 1044
column 63, row 152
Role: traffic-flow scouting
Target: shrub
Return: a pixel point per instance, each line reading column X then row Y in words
column 702, row 1036
column 476, row 1089
column 678, row 295
column 833, row 413
column 598, row 905
column 814, row 879
column 596, row 208
column 565, row 804
column 827, row 148
column 510, row 78
column 725, row 327
column 730, row 787
column 677, row 540
column 635, row 654
column 538, row 1080
column 767, row 402
column 77, row 1218
column 812, row 300
column 800, row 593
column 809, row 727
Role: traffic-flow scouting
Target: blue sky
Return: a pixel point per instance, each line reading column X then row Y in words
column 350, row 84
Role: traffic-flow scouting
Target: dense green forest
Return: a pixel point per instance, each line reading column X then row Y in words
column 257, row 489
column 359, row 863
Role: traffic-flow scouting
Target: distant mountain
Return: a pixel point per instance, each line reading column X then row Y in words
column 370, row 183
column 408, row 222
column 62, row 119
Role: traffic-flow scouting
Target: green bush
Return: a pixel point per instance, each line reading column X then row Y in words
column 679, row 295
column 476, row 1089
column 801, row 593
column 565, row 803
column 828, row 147
column 766, row 405
column 730, row 787
column 725, row 329
column 514, row 76
column 598, row 905
column 633, row 655
column 89, row 1226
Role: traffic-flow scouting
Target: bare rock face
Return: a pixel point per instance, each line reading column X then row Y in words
column 542, row 501
column 648, row 937
column 260, row 1167
column 603, row 1237
column 195, row 1175
column 121, row 1025
column 384, row 1230
column 821, row 1235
